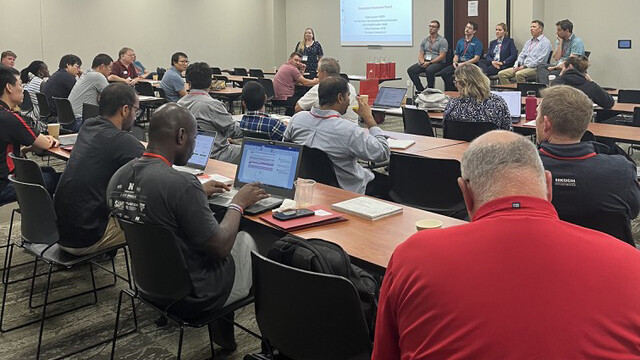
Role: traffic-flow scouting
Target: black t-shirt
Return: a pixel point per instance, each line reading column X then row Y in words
column 80, row 201
column 155, row 193
column 14, row 132
column 59, row 85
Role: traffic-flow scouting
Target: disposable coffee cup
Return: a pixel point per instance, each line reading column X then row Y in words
column 53, row 130
column 155, row 77
column 428, row 224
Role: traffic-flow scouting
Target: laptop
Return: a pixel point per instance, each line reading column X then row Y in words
column 514, row 102
column 68, row 140
column 198, row 161
column 389, row 97
column 272, row 163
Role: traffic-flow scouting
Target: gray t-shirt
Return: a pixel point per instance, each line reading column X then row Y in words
column 172, row 83
column 155, row 193
column 432, row 51
column 86, row 90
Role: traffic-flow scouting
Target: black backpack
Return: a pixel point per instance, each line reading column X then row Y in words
column 328, row 258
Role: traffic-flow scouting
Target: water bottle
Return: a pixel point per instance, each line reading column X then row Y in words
column 530, row 106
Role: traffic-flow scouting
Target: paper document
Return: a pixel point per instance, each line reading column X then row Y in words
column 400, row 144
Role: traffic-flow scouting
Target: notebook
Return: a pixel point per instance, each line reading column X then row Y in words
column 514, row 102
column 399, row 144
column 367, row 207
column 389, row 97
column 272, row 163
column 198, row 161
column 322, row 217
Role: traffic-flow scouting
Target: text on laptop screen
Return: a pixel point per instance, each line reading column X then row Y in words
column 388, row 96
column 513, row 100
column 273, row 165
column 202, row 151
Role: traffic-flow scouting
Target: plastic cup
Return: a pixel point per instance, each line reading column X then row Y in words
column 53, row 130
column 365, row 98
column 304, row 193
column 428, row 224
column 155, row 77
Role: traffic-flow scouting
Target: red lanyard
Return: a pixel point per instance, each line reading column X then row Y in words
column 324, row 117
column 532, row 44
column 466, row 46
column 157, row 156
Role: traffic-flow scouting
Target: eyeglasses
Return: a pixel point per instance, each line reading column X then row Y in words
column 183, row 62
column 434, row 26
column 138, row 111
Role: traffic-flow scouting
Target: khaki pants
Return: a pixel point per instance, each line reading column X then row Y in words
column 506, row 75
column 113, row 236
column 241, row 253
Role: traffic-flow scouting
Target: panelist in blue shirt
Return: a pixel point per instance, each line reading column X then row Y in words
column 468, row 51
column 502, row 52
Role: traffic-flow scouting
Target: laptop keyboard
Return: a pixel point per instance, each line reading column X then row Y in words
column 228, row 196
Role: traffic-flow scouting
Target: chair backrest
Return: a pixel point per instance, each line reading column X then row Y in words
column 307, row 315
column 467, row 131
column 315, row 164
column 26, row 170
column 144, row 88
column 258, row 73
column 416, row 122
column 629, row 96
column 38, row 217
column 159, row 270
column 636, row 116
column 216, row 71
column 65, row 111
column 90, row 111
column 268, row 87
column 344, row 76
column 220, row 77
column 240, row 72
column 246, row 80
column 255, row 134
column 424, row 182
column 161, row 72
column 525, row 87
column 26, row 105
column 43, row 105
column 617, row 225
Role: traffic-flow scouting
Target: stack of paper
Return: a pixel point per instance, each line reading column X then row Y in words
column 400, row 144
column 367, row 207
column 217, row 177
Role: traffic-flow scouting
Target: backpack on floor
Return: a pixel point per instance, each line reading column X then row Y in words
column 328, row 258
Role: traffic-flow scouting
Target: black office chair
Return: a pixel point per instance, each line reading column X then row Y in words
column 162, row 279
column 40, row 237
column 240, row 72
column 161, row 72
column 268, row 87
column 216, row 71
column 617, row 225
column 255, row 134
column 344, row 76
column 308, row 315
column 426, row 183
column 257, row 73
column 416, row 121
column 90, row 111
column 466, row 131
column 27, row 105
column 526, row 87
column 43, row 106
column 145, row 88
column 66, row 117
column 246, row 80
column 315, row 164
column 629, row 96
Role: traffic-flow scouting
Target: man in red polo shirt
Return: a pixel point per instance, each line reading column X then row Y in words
column 123, row 69
column 516, row 282
column 284, row 83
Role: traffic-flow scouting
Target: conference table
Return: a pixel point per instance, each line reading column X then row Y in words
column 514, row 86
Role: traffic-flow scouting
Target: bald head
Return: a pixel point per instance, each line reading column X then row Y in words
column 499, row 164
column 172, row 131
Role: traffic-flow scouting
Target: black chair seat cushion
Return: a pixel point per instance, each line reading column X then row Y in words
column 60, row 257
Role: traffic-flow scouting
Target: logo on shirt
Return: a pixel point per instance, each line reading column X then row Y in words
column 568, row 182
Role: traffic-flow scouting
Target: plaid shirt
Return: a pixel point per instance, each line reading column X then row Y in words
column 261, row 122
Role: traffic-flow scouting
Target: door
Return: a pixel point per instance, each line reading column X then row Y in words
column 471, row 10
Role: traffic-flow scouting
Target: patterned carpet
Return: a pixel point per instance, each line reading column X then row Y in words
column 95, row 323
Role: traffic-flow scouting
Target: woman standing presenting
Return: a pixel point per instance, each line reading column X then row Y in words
column 310, row 49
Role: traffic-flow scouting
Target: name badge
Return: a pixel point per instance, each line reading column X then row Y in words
column 304, row 58
column 428, row 57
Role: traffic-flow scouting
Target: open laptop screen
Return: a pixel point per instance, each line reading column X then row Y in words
column 271, row 163
column 513, row 100
column 390, row 97
column 204, row 144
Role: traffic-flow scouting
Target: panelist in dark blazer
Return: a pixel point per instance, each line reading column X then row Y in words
column 502, row 52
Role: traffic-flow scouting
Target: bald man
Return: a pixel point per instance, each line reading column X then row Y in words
column 217, row 255
column 516, row 282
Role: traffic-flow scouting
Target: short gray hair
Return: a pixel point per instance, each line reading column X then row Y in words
column 490, row 167
column 329, row 65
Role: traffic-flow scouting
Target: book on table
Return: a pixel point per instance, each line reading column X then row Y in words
column 367, row 207
column 399, row 144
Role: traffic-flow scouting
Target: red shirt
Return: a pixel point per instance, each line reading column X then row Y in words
column 516, row 283
column 284, row 83
column 119, row 69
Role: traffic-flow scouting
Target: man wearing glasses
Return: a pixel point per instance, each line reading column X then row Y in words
column 468, row 51
column 172, row 82
column 62, row 81
column 123, row 69
column 103, row 145
column 431, row 58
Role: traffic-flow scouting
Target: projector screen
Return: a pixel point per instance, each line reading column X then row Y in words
column 376, row 22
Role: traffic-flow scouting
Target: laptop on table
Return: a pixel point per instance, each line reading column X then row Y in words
column 272, row 163
column 389, row 97
column 198, row 161
column 514, row 102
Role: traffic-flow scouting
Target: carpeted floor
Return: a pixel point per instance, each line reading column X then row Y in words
column 95, row 323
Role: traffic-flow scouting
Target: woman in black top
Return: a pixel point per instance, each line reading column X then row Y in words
column 310, row 49
column 575, row 74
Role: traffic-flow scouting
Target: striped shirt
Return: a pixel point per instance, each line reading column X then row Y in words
column 261, row 122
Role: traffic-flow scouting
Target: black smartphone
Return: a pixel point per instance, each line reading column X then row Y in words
column 292, row 214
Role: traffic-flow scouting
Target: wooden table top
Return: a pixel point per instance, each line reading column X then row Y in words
column 514, row 86
column 453, row 152
column 423, row 143
column 371, row 241
column 227, row 91
column 622, row 133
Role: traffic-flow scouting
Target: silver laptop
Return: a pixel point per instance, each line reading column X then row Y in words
column 198, row 161
column 272, row 163
column 68, row 140
column 514, row 102
column 389, row 97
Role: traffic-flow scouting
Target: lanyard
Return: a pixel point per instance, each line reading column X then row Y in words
column 157, row 156
column 324, row 117
column 466, row 46
column 532, row 45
